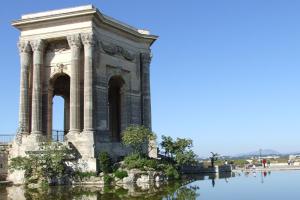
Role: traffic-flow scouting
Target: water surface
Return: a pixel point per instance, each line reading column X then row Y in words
column 252, row 186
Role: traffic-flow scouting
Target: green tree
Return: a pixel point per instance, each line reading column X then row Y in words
column 137, row 137
column 179, row 150
column 168, row 145
column 182, row 144
column 186, row 158
column 213, row 158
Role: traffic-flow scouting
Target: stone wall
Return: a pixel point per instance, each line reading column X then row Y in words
column 90, row 49
column 3, row 162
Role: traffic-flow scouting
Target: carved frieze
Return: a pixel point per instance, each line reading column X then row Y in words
column 59, row 69
column 58, row 46
column 113, row 49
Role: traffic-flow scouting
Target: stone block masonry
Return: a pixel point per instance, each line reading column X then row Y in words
column 98, row 65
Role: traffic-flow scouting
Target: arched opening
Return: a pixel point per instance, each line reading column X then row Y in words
column 59, row 108
column 114, row 99
column 57, row 117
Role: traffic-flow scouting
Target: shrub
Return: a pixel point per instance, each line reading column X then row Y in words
column 80, row 175
column 185, row 158
column 107, row 179
column 171, row 172
column 121, row 174
column 105, row 162
column 133, row 161
column 20, row 163
column 137, row 137
column 49, row 162
column 137, row 161
column 151, row 163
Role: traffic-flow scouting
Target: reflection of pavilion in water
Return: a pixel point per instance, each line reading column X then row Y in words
column 212, row 176
column 146, row 191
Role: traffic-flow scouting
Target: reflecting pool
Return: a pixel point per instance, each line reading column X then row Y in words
column 252, row 186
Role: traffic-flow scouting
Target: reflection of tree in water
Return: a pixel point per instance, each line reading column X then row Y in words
column 187, row 193
column 177, row 190
column 60, row 193
column 169, row 191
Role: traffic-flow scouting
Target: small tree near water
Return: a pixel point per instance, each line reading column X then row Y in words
column 213, row 158
column 179, row 150
column 137, row 137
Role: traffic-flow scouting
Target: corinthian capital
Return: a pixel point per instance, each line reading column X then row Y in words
column 24, row 46
column 37, row 45
column 74, row 41
column 88, row 39
column 146, row 58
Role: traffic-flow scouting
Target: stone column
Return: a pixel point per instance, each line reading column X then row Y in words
column 25, row 56
column 88, row 41
column 38, row 54
column 146, row 100
column 75, row 45
column 50, row 113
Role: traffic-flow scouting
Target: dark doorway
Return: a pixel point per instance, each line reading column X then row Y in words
column 114, row 99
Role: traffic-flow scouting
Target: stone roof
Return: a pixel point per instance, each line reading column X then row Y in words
column 86, row 10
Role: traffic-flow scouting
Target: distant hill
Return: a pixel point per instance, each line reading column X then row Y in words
column 263, row 152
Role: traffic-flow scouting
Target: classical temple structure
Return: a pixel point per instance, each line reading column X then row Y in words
column 100, row 66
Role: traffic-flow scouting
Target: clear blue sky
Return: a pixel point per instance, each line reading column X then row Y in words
column 224, row 73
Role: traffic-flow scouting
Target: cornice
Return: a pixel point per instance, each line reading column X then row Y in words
column 94, row 14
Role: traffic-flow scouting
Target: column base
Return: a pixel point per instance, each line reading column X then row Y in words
column 74, row 131
column 84, row 144
column 26, row 142
column 152, row 149
column 24, row 133
column 37, row 137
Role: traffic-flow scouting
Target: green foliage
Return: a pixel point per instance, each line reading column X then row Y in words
column 239, row 162
column 136, row 137
column 134, row 161
column 137, row 161
column 49, row 162
column 214, row 157
column 167, row 144
column 151, row 163
column 81, row 175
column 185, row 158
column 187, row 193
column 105, row 162
column 182, row 144
column 19, row 163
column 121, row 174
column 107, row 179
column 171, row 172
column 179, row 150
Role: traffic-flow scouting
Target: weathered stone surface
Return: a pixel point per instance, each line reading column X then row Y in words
column 143, row 179
column 17, row 177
